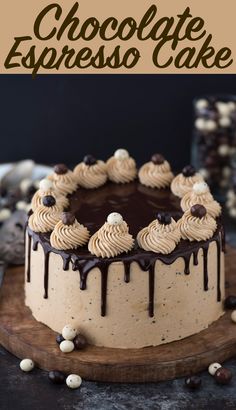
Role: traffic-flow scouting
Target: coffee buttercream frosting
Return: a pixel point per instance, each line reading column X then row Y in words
column 64, row 180
column 184, row 182
column 112, row 238
column 91, row 173
column 46, row 217
column 160, row 236
column 156, row 173
column 196, row 224
column 200, row 194
column 121, row 168
column 68, row 233
column 46, row 189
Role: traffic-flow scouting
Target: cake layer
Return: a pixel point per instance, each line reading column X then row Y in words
column 174, row 297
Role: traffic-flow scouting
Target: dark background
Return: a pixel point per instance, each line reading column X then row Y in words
column 56, row 118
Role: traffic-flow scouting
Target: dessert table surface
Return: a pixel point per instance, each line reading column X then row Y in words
column 22, row 391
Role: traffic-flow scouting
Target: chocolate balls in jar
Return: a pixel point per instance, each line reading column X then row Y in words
column 214, row 142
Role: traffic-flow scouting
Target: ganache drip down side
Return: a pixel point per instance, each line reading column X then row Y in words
column 83, row 262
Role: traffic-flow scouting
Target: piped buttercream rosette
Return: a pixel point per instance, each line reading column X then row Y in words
column 160, row 236
column 196, row 224
column 156, row 173
column 46, row 216
column 64, row 181
column 68, row 233
column 112, row 239
column 200, row 194
column 184, row 181
column 91, row 173
column 46, row 189
column 121, row 168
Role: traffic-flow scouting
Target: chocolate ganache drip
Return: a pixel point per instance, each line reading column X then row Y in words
column 83, row 262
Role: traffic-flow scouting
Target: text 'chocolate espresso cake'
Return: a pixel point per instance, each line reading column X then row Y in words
column 130, row 258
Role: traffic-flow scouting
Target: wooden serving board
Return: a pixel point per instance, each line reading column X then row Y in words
column 23, row 336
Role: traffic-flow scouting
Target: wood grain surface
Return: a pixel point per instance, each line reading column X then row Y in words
column 23, row 336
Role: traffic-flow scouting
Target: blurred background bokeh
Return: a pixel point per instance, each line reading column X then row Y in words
column 56, row 118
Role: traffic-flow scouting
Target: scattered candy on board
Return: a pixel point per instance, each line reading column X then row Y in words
column 193, row 382
column 233, row 316
column 213, row 367
column 67, row 346
column 26, row 365
column 73, row 381
column 71, row 339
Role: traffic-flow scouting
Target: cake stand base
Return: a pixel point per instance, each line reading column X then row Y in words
column 23, row 336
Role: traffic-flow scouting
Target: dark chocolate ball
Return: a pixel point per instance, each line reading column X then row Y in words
column 60, row 169
column 90, row 160
column 157, row 159
column 59, row 339
column 56, row 377
column 164, row 218
column 188, row 171
column 198, row 211
column 193, row 382
column 80, row 342
column 223, row 375
column 68, row 218
column 49, row 200
column 230, row 302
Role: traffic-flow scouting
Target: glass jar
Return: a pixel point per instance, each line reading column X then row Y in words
column 214, row 140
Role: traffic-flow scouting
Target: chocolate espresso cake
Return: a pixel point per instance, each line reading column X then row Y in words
column 130, row 258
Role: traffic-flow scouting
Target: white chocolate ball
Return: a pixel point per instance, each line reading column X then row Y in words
column 223, row 108
column 25, row 184
column 213, row 367
column 200, row 188
column 121, row 154
column 22, row 206
column 225, row 122
column 230, row 194
column 204, row 173
column 210, row 125
column 114, row 218
column 231, row 106
column 233, row 316
column 201, row 104
column 5, row 213
column 45, row 184
column 232, row 212
column 67, row 346
column 69, row 332
column 73, row 381
column 26, row 365
column 224, row 150
column 200, row 124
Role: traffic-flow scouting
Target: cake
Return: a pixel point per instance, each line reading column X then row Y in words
column 132, row 258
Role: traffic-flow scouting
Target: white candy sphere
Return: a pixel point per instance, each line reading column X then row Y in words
column 121, row 154
column 213, row 368
column 4, row 214
column 45, row 184
column 114, row 218
column 225, row 122
column 204, row 173
column 210, row 125
column 69, row 332
column 201, row 104
column 233, row 316
column 26, row 365
column 73, row 381
column 223, row 108
column 67, row 346
column 200, row 124
column 200, row 188
column 223, row 150
column 22, row 206
column 25, row 184
column 232, row 212
column 231, row 106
